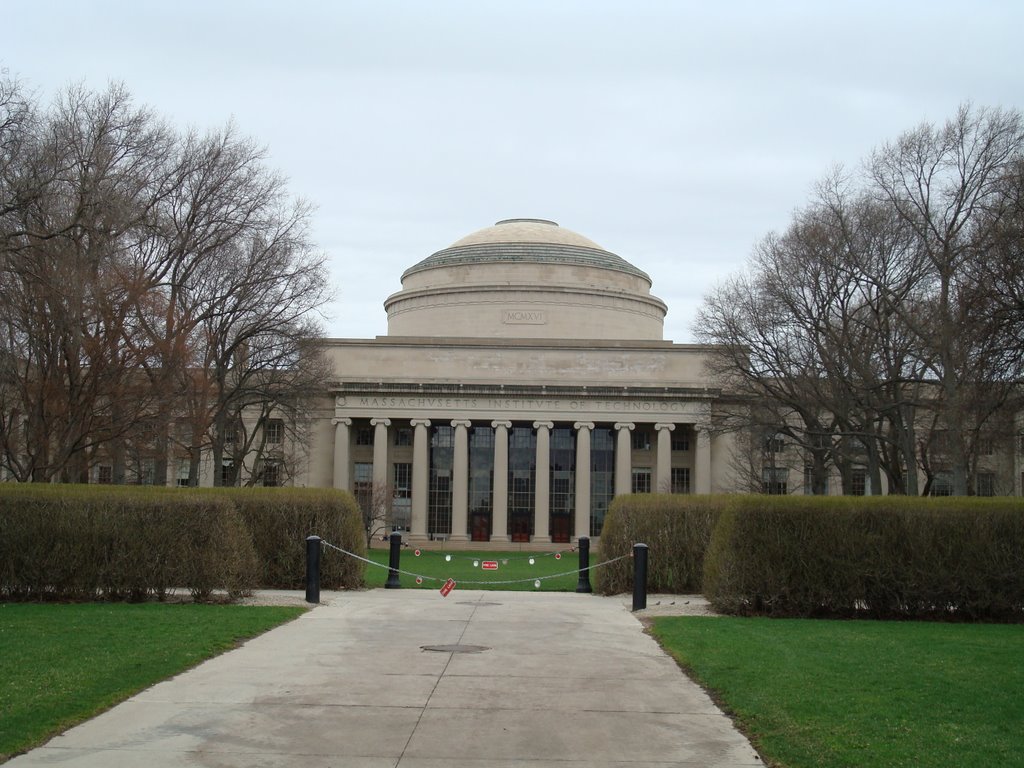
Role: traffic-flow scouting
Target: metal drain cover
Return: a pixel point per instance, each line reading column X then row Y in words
column 455, row 648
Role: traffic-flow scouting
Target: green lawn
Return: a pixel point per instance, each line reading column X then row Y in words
column 863, row 693
column 513, row 567
column 61, row 664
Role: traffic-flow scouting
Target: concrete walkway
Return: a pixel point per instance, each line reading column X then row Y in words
column 563, row 680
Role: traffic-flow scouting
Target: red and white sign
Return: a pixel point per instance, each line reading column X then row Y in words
column 558, row 555
column 489, row 565
column 448, row 587
column 416, row 552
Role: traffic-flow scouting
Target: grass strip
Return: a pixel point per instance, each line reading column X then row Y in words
column 512, row 566
column 61, row 664
column 862, row 693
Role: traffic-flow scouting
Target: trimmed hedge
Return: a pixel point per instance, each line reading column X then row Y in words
column 65, row 542
column 280, row 519
column 79, row 543
column 676, row 529
column 882, row 557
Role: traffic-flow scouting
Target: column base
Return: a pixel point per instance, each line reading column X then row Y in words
column 416, row 538
column 500, row 539
column 458, row 537
column 540, row 540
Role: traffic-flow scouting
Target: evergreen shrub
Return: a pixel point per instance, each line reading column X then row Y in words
column 882, row 557
column 676, row 529
column 66, row 542
column 280, row 519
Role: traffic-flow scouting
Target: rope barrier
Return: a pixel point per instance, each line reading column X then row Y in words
column 476, row 582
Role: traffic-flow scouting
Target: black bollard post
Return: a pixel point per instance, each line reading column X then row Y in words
column 639, row 577
column 393, row 562
column 583, row 585
column 312, row 569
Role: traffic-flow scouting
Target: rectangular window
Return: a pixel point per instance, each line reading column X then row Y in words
column 680, row 440
column 227, row 473
column 364, row 436
column 275, row 431
column 403, row 436
column 986, row 446
column 986, row 484
column 403, row 480
column 858, row 482
column 641, row 479
column 442, row 437
column 362, row 485
column 680, row 479
column 942, row 484
column 774, row 444
column 271, row 474
column 641, row 440
column 775, row 481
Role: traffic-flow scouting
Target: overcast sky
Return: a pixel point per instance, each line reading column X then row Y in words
column 675, row 134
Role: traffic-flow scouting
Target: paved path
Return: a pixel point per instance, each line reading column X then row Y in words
column 566, row 680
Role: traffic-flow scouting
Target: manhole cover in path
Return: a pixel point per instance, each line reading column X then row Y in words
column 455, row 648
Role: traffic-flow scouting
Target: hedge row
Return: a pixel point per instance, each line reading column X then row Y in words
column 280, row 519
column 676, row 529
column 883, row 557
column 60, row 542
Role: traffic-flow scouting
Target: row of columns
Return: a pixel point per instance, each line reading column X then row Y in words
column 460, row 476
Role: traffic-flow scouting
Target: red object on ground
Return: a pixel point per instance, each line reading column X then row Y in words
column 489, row 565
column 448, row 587
column 416, row 552
column 558, row 555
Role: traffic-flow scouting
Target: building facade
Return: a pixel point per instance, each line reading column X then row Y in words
column 523, row 383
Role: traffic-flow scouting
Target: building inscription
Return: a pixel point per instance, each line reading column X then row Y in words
column 524, row 317
column 512, row 404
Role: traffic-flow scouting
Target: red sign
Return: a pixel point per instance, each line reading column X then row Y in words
column 489, row 565
column 448, row 587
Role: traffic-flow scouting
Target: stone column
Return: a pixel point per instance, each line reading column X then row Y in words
column 582, row 478
column 381, row 481
column 420, row 478
column 624, row 459
column 663, row 473
column 702, row 459
column 542, row 497
column 341, row 453
column 460, row 482
column 499, row 489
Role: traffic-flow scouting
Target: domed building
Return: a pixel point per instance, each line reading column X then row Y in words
column 523, row 383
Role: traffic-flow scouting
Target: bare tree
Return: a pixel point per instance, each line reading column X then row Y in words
column 946, row 183
column 151, row 279
column 887, row 307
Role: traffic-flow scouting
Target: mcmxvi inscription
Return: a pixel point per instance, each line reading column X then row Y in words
column 523, row 317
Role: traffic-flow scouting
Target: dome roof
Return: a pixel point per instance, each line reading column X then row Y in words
column 525, row 279
column 526, row 240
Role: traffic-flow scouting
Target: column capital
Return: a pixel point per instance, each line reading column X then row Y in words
column 543, row 425
column 661, row 426
column 701, row 427
column 385, row 422
column 461, row 423
column 419, row 422
column 345, row 420
column 583, row 425
column 625, row 425
column 500, row 423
